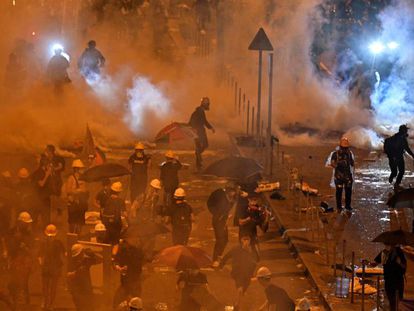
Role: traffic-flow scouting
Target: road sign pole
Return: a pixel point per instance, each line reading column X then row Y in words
column 269, row 117
column 259, row 95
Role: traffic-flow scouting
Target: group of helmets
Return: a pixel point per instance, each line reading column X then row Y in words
column 25, row 217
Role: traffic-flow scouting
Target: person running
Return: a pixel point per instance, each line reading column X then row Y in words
column 50, row 258
column 243, row 266
column 395, row 147
column 199, row 123
column 343, row 163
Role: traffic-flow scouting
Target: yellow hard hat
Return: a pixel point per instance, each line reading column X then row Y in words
column 303, row 305
column 25, row 217
column 116, row 186
column 77, row 164
column 51, row 230
column 170, row 154
column 344, row 142
column 100, row 227
column 136, row 303
column 76, row 249
column 155, row 183
column 23, row 173
column 139, row 146
column 179, row 193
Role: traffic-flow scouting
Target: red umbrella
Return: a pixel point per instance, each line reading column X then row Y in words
column 183, row 257
column 175, row 131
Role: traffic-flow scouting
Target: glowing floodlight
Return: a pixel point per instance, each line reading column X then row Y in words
column 392, row 45
column 376, row 47
column 58, row 46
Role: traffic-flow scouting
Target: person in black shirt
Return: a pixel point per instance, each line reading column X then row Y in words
column 243, row 266
column 276, row 297
column 181, row 215
column 342, row 160
column 199, row 123
column 50, row 257
column 395, row 147
column 219, row 204
column 57, row 164
column 41, row 179
column 169, row 176
column 112, row 212
column 128, row 260
column 139, row 162
column 395, row 264
column 91, row 61
column 103, row 195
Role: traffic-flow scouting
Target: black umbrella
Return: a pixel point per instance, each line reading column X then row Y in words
column 107, row 170
column 239, row 168
column 402, row 199
column 397, row 237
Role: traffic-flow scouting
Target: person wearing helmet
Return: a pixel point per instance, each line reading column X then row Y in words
column 134, row 304
column 128, row 258
column 51, row 254
column 219, row 204
column 395, row 147
column 42, row 183
column 276, row 297
column 77, row 197
column 101, row 235
column 79, row 276
column 303, row 305
column 181, row 216
column 91, row 61
column 342, row 161
column 243, row 266
column 199, row 123
column 139, row 162
column 20, row 245
column 57, row 70
column 169, row 176
column 113, row 211
column 57, row 164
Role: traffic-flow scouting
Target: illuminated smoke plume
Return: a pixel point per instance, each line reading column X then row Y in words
column 144, row 100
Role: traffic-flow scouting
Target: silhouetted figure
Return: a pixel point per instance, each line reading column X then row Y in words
column 57, row 70
column 91, row 61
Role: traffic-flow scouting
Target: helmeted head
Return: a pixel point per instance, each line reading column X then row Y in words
column 23, row 173
column 76, row 250
column 77, row 165
column 344, row 142
column 403, row 129
column 303, row 305
column 100, row 227
column 135, row 304
column 170, row 155
column 92, row 44
column 205, row 103
column 139, row 146
column 25, row 217
column 156, row 184
column 179, row 194
column 117, row 187
column 264, row 275
column 50, row 230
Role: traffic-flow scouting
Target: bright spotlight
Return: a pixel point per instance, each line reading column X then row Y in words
column 392, row 45
column 58, row 46
column 376, row 47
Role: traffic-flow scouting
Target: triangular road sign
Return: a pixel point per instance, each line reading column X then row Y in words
column 261, row 42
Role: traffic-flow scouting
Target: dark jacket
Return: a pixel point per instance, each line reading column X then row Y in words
column 169, row 175
column 198, row 120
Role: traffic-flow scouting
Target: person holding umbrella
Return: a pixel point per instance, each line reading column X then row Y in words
column 181, row 215
column 112, row 213
column 139, row 162
column 219, row 204
column 394, row 262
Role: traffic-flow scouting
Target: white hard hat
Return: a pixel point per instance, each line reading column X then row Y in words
column 179, row 193
column 303, row 305
column 23, row 173
column 139, row 146
column 77, row 164
column 51, row 230
column 136, row 303
column 263, row 272
column 170, row 154
column 155, row 183
column 100, row 227
column 116, row 186
column 25, row 217
column 76, row 249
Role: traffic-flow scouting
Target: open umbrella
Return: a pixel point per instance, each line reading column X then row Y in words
column 239, row 168
column 397, row 237
column 107, row 170
column 402, row 199
column 174, row 132
column 183, row 257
